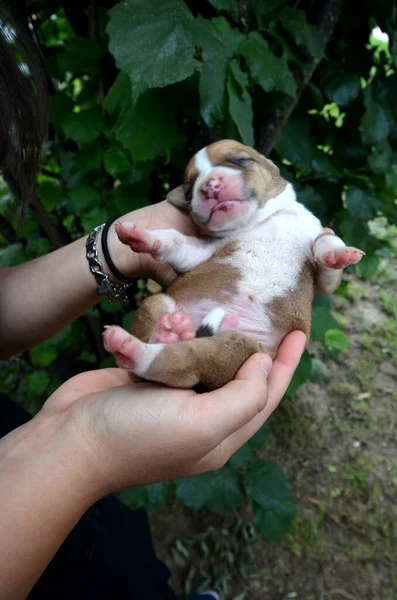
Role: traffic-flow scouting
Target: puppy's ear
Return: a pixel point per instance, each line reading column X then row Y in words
column 177, row 198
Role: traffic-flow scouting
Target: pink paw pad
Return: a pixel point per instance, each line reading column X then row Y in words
column 139, row 240
column 174, row 327
column 343, row 257
column 125, row 348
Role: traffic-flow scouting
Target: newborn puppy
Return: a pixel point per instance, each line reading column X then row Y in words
column 243, row 285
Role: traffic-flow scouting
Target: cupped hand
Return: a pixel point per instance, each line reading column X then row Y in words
column 132, row 433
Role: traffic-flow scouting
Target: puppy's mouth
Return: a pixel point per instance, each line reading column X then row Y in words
column 225, row 206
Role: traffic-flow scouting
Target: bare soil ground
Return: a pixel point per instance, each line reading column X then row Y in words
column 337, row 442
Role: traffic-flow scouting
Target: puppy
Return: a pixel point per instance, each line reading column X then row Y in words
column 243, row 285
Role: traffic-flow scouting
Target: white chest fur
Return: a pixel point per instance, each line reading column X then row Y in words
column 270, row 257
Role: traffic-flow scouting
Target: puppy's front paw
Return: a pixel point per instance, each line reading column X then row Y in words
column 340, row 258
column 138, row 239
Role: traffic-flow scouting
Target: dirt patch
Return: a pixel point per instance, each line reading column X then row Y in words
column 337, row 442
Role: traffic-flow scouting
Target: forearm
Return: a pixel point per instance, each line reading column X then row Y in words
column 43, row 493
column 39, row 298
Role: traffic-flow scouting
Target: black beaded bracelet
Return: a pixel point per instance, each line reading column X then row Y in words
column 105, row 249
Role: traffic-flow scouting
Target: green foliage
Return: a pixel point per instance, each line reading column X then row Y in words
column 134, row 89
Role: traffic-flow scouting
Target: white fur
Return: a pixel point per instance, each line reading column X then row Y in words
column 270, row 257
column 181, row 252
column 214, row 319
column 145, row 356
column 326, row 243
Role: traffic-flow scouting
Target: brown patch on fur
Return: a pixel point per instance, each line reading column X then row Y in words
column 147, row 316
column 213, row 276
column 294, row 310
column 212, row 362
column 251, row 298
column 261, row 177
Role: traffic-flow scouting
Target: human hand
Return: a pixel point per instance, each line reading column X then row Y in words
column 163, row 215
column 132, row 433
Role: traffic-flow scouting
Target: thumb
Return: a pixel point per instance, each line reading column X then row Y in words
column 236, row 403
column 162, row 273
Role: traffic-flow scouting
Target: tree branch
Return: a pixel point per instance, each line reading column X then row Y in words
column 270, row 130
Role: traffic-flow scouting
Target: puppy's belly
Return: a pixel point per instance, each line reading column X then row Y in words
column 251, row 317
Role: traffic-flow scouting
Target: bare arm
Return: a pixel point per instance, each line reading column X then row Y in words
column 38, row 298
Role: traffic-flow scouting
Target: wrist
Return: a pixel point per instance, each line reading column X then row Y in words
column 50, row 457
column 123, row 258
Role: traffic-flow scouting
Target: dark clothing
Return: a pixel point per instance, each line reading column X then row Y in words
column 108, row 555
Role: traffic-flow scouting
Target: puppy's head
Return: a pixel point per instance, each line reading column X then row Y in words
column 225, row 184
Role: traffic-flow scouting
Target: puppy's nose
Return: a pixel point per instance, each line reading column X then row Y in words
column 211, row 187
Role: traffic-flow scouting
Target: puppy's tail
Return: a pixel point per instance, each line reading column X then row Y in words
column 211, row 323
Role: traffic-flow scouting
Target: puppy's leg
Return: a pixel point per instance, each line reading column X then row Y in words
column 158, row 320
column 332, row 256
column 211, row 361
column 181, row 252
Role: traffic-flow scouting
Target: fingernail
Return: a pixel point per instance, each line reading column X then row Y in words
column 266, row 364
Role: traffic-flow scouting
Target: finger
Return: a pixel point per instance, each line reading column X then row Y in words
column 284, row 366
column 227, row 409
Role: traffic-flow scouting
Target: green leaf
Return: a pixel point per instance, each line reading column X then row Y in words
column 267, row 70
column 219, row 490
column 274, row 524
column 116, row 161
column 341, row 87
column 227, row 5
column 42, row 356
column 194, row 491
column 242, row 458
column 39, row 246
column 322, row 320
column 37, row 382
column 119, row 95
column 369, row 265
column 262, row 10
column 149, row 129
column 240, row 105
column 128, row 200
column 336, row 339
column 266, row 483
column 51, row 195
column 61, row 106
column 152, row 42
column 12, row 255
column 83, row 127
column 83, row 198
column 301, row 375
column 294, row 21
column 157, row 495
column 134, row 497
column 382, row 159
column 378, row 118
column 88, row 158
column 295, row 144
column 94, row 217
column 80, row 56
column 361, row 204
column 258, row 440
column 127, row 319
column 212, row 89
column 229, row 37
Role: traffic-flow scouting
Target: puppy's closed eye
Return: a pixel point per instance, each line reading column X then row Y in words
column 240, row 161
